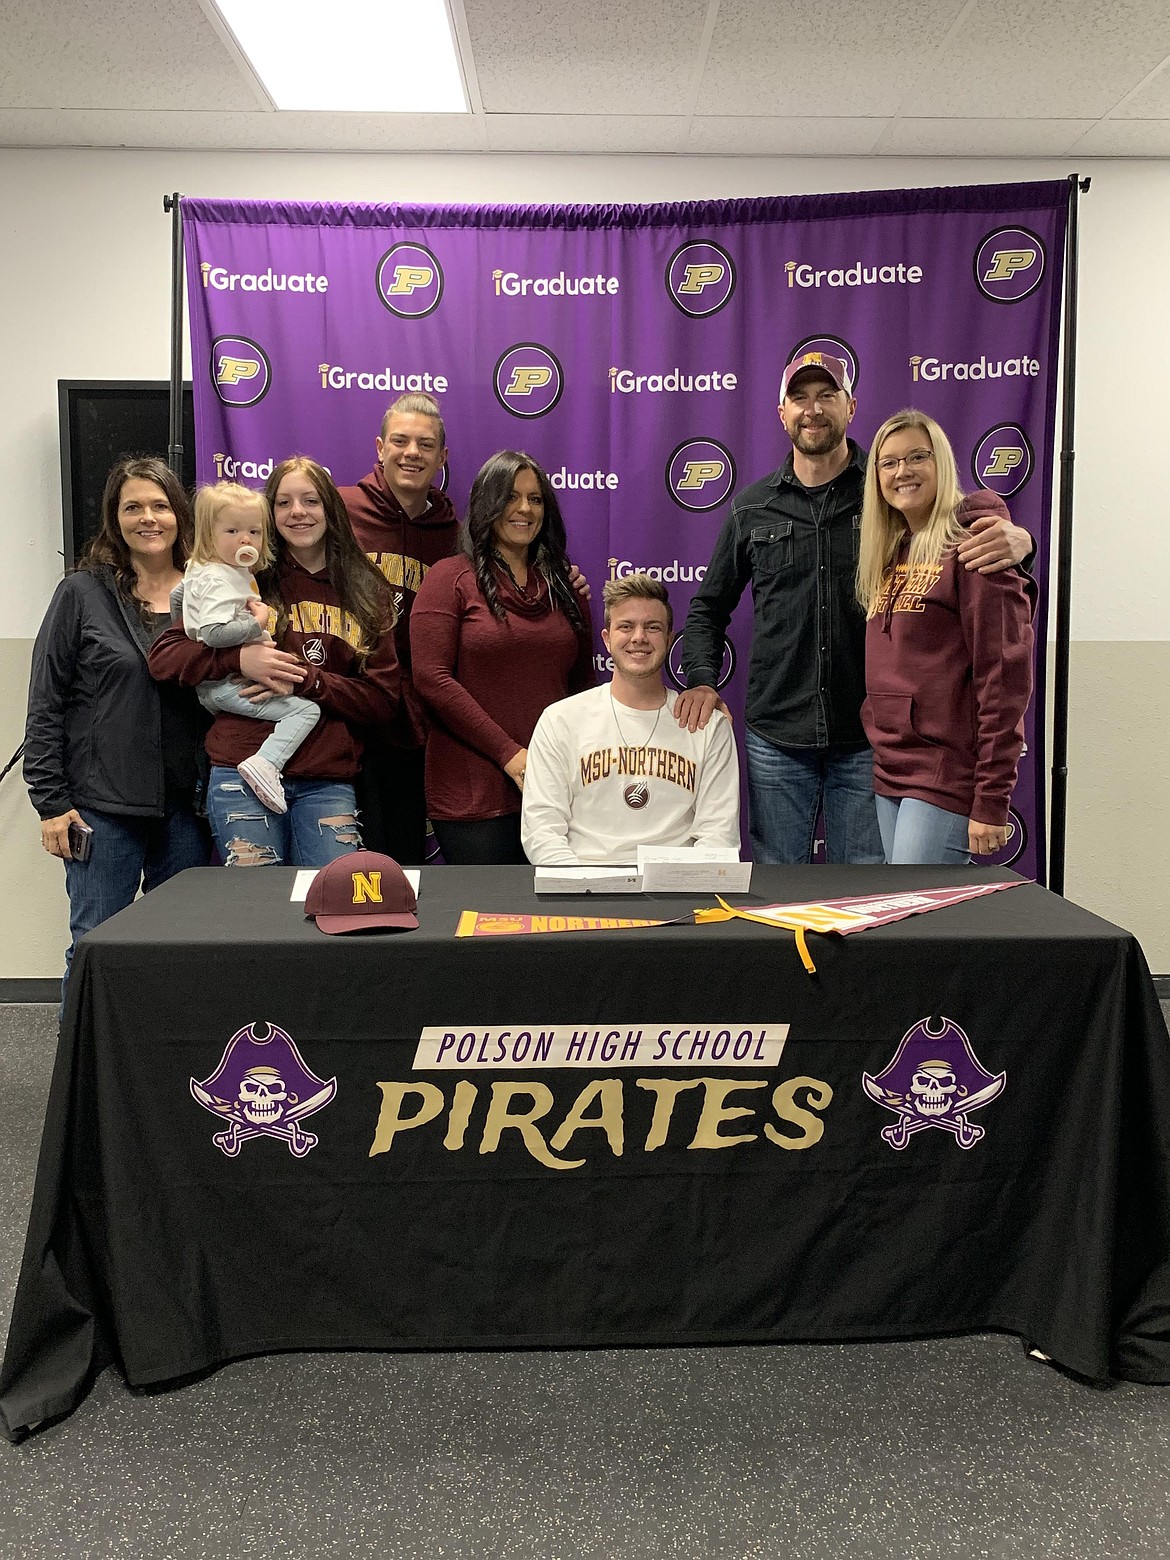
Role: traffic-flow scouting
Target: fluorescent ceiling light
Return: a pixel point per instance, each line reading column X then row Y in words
column 360, row 56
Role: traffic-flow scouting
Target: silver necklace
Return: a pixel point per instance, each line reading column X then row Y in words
column 637, row 794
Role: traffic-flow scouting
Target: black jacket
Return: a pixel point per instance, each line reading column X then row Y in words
column 94, row 732
column 798, row 548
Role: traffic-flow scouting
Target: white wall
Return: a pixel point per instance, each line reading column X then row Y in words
column 84, row 284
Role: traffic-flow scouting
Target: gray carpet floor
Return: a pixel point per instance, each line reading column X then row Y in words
column 961, row 1448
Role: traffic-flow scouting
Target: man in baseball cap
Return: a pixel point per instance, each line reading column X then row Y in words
column 794, row 536
column 833, row 368
column 362, row 892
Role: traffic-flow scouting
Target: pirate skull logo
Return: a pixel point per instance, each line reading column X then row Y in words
column 932, row 1087
column 262, row 1088
column 934, row 1080
column 262, row 1096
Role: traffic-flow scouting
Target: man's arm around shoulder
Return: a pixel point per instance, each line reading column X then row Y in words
column 709, row 614
column 993, row 542
column 713, row 603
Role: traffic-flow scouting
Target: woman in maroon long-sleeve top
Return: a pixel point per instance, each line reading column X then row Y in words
column 948, row 654
column 496, row 635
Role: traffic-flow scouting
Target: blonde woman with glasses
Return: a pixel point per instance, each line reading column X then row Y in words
column 948, row 654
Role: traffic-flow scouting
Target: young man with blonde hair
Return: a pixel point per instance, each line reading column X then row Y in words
column 611, row 769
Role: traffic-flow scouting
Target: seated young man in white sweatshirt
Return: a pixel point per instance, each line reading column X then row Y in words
column 611, row 769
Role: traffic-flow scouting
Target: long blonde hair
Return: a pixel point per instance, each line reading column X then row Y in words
column 883, row 529
column 210, row 502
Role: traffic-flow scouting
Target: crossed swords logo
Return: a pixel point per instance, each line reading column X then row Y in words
column 966, row 1133
column 289, row 1129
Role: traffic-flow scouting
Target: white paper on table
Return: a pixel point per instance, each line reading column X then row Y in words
column 693, row 869
column 586, row 880
column 300, row 888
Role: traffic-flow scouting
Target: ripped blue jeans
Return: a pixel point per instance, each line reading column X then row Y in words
column 320, row 825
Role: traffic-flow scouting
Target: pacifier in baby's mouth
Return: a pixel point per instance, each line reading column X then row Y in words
column 247, row 555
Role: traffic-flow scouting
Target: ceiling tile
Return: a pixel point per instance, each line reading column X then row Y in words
column 981, row 137
column 1043, row 59
column 604, row 57
column 612, row 133
column 744, row 137
column 115, row 54
column 291, row 132
column 1014, row 78
column 1152, row 102
column 1126, row 138
column 843, row 60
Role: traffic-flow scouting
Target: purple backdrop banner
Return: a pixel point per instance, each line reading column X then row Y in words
column 636, row 352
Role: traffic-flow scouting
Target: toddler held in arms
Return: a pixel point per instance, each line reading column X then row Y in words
column 222, row 608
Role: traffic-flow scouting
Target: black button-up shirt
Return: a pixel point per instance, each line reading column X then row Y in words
column 798, row 548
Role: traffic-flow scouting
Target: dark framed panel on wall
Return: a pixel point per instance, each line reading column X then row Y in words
column 101, row 421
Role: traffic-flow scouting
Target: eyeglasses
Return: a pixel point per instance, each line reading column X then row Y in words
column 915, row 458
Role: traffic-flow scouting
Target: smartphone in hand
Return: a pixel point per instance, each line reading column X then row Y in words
column 80, row 841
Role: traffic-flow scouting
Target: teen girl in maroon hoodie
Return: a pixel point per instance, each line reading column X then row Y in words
column 948, row 654
column 333, row 624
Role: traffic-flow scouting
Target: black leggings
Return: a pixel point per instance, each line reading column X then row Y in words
column 390, row 801
column 481, row 842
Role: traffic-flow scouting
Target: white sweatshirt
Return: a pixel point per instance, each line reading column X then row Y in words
column 602, row 779
column 215, row 604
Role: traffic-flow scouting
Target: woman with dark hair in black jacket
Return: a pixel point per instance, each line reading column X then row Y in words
column 496, row 635
column 107, row 749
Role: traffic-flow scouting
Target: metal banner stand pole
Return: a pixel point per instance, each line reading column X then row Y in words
column 1059, row 808
column 172, row 203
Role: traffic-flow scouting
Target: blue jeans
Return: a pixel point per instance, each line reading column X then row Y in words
column 291, row 718
column 787, row 787
column 320, row 825
column 918, row 833
column 128, row 853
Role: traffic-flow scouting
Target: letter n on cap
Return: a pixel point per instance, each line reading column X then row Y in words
column 367, row 888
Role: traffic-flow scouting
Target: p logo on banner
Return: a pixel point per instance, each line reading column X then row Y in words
column 1003, row 459
column 240, row 370
column 834, row 346
column 1009, row 264
column 409, row 280
column 528, row 380
column 700, row 278
column 700, row 474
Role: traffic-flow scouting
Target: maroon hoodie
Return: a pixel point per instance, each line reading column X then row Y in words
column 404, row 550
column 352, row 693
column 948, row 672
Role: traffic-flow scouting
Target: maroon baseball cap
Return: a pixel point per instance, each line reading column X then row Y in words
column 833, row 368
column 362, row 892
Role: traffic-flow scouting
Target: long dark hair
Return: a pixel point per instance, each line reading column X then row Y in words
column 108, row 549
column 361, row 590
column 490, row 494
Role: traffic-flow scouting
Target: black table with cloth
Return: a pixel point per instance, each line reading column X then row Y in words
column 653, row 1203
